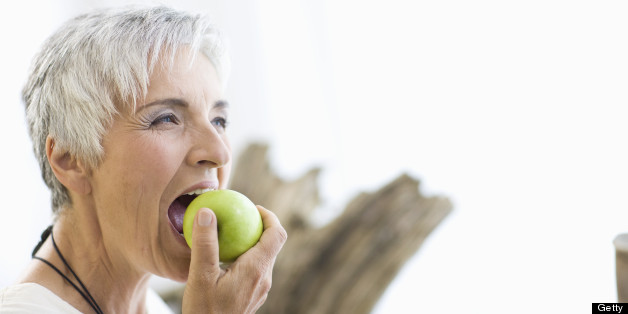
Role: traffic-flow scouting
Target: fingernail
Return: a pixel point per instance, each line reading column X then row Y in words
column 204, row 218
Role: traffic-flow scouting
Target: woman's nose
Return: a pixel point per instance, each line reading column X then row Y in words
column 209, row 148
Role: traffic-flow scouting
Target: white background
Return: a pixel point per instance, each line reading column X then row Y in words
column 516, row 110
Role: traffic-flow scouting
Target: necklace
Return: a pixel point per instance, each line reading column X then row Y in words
column 84, row 292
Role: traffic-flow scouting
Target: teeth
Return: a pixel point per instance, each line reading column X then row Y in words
column 199, row 191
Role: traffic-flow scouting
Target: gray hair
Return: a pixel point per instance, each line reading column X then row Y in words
column 98, row 64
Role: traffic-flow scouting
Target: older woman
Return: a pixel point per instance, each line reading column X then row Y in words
column 126, row 112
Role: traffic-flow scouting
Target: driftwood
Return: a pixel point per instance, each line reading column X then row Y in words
column 621, row 266
column 345, row 266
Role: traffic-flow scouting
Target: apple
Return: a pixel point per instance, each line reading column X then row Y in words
column 239, row 222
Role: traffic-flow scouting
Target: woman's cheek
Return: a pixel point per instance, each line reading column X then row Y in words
column 165, row 158
column 223, row 175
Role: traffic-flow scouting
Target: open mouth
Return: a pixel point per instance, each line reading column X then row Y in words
column 176, row 211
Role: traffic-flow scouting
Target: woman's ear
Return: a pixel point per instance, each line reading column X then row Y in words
column 71, row 172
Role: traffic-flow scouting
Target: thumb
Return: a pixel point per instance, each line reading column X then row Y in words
column 204, row 259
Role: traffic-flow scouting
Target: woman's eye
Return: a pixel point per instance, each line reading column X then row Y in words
column 164, row 119
column 220, row 122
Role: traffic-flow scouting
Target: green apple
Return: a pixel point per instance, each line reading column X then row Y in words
column 239, row 222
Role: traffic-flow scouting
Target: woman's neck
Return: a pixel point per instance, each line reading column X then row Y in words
column 115, row 284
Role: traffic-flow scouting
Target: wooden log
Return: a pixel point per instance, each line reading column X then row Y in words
column 292, row 202
column 621, row 266
column 346, row 266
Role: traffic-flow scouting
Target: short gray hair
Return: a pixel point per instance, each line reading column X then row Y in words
column 96, row 64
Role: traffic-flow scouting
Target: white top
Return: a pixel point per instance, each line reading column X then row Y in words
column 28, row 298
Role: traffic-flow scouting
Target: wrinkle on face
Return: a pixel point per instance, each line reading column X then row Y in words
column 146, row 168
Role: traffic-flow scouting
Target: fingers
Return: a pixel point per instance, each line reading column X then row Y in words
column 273, row 238
column 204, row 262
column 274, row 235
column 245, row 286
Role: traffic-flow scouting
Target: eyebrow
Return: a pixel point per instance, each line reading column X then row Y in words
column 219, row 104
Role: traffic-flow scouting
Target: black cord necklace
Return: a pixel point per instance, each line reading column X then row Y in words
column 84, row 292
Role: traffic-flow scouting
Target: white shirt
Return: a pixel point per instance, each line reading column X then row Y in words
column 29, row 298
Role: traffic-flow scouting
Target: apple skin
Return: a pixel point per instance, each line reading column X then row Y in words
column 239, row 222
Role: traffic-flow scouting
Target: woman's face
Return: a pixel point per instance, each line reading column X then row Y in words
column 174, row 143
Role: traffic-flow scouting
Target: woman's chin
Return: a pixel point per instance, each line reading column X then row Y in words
column 177, row 270
column 180, row 277
column 177, row 255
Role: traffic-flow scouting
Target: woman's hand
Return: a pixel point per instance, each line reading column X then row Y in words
column 244, row 285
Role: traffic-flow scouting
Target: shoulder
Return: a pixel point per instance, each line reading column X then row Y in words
column 32, row 298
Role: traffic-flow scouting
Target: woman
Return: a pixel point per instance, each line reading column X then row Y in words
column 126, row 112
